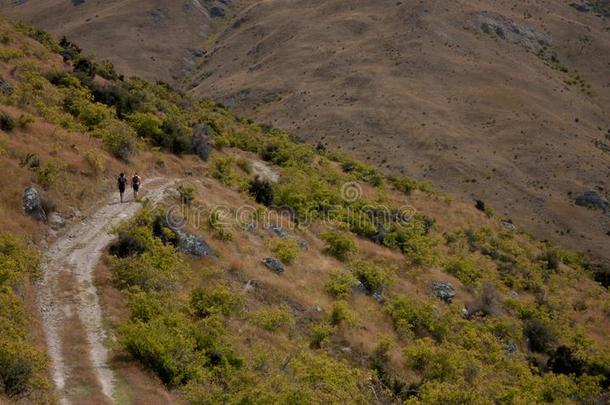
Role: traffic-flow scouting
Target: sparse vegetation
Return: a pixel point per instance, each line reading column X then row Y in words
column 339, row 244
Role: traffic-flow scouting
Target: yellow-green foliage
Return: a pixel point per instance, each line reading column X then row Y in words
column 9, row 54
column 412, row 318
column 222, row 168
column 96, row 162
column 341, row 313
column 272, row 318
column 464, row 270
column 320, row 335
column 217, row 300
column 286, row 250
column 339, row 244
column 374, row 276
column 21, row 364
column 340, row 284
column 220, row 230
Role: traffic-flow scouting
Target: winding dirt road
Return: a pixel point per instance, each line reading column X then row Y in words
column 71, row 313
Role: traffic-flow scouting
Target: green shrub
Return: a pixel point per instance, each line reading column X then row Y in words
column 220, row 231
column 96, row 162
column 539, row 335
column 218, row 300
column 412, row 239
column 414, row 319
column 464, row 270
column 340, row 284
column 47, row 174
column 119, row 139
column 273, row 318
column 146, row 125
column 262, row 191
column 286, row 250
column 375, row 277
column 339, row 244
column 341, row 313
column 222, row 169
column 166, row 346
column 320, row 335
column 7, row 123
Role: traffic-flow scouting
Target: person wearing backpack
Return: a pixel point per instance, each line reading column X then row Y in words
column 122, row 182
column 136, row 181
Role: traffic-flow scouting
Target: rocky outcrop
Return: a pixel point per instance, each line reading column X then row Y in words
column 193, row 244
column 592, row 200
column 508, row 30
column 32, row 204
column 443, row 290
column 274, row 264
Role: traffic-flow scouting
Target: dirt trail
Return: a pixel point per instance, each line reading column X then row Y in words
column 74, row 257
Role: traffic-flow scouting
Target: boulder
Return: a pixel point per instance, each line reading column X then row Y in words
column 508, row 225
column 279, row 231
column 201, row 141
column 443, row 290
column 593, row 200
column 32, row 204
column 193, row 244
column 217, row 12
column 5, row 87
column 56, row 221
column 274, row 264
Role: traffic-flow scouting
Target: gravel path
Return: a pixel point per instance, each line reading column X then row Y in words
column 77, row 252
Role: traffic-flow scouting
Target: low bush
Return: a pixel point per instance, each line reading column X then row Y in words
column 339, row 244
column 187, row 194
column 375, row 277
column 464, row 270
column 127, row 245
column 412, row 318
column 212, row 301
column 119, row 139
column 340, row 284
column 539, row 335
column 272, row 319
column 7, row 123
column 341, row 313
column 320, row 335
column 262, row 191
column 286, row 250
column 96, row 162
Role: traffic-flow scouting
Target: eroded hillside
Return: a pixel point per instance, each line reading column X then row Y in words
column 271, row 271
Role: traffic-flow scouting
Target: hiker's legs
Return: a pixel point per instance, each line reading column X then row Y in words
column 121, row 194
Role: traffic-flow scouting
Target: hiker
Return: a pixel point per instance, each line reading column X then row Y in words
column 135, row 183
column 122, row 182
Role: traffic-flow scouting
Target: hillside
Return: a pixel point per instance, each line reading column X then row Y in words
column 494, row 100
column 258, row 268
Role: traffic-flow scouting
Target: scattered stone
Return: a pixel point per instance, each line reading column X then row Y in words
column 317, row 308
column 592, row 200
column 56, row 221
column 443, row 290
column 217, row 12
column 193, row 244
column 264, row 171
column 274, row 264
column 509, row 30
column 32, row 204
column 465, row 312
column 250, row 227
column 303, row 244
column 378, row 296
column 510, row 348
column 582, row 7
column 359, row 287
column 514, row 295
column 508, row 225
column 279, row 231
column 5, row 87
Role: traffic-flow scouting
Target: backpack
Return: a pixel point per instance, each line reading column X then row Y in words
column 135, row 180
column 122, row 181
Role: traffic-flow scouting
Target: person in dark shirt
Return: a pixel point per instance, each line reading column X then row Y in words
column 122, row 182
column 136, row 181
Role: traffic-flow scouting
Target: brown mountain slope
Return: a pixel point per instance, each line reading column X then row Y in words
column 497, row 100
column 154, row 39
